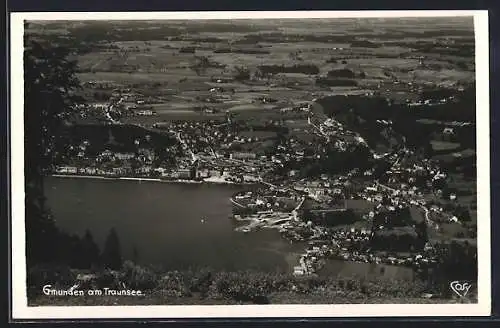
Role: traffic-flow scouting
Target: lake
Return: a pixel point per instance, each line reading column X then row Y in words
column 163, row 221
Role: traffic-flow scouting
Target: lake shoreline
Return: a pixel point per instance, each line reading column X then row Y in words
column 181, row 181
column 181, row 225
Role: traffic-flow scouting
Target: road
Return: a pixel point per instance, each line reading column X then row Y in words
column 300, row 204
column 428, row 220
column 194, row 158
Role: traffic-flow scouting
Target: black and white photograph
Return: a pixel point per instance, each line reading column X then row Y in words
column 248, row 164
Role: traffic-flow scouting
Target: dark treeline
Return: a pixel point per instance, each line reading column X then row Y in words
column 95, row 33
column 462, row 109
column 282, row 37
column 139, row 30
column 187, row 50
column 204, row 26
column 266, row 126
column 196, row 39
column 341, row 73
column 361, row 114
column 309, row 69
column 399, row 238
column 397, row 218
column 335, row 82
column 333, row 161
column 74, row 251
column 346, row 38
column 203, row 63
column 64, row 252
column 437, row 94
column 458, row 261
column 102, row 95
column 336, row 161
column 331, row 218
column 396, row 241
column 249, row 51
column 50, row 95
column 72, row 44
column 119, row 138
column 108, row 31
column 466, row 165
column 371, row 108
column 364, row 44
column 343, row 57
column 460, row 50
column 241, row 73
column 51, row 89
column 397, row 34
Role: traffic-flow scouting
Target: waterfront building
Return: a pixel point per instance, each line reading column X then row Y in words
column 67, row 169
column 124, row 156
column 202, row 173
column 251, row 178
column 242, row 155
column 184, row 173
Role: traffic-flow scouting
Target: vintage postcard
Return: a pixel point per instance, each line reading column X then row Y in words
column 250, row 164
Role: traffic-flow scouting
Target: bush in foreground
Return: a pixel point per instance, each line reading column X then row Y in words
column 232, row 287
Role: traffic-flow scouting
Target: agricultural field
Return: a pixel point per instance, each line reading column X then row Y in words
column 188, row 59
column 366, row 270
column 444, row 145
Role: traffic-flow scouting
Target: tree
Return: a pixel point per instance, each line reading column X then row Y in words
column 135, row 254
column 50, row 83
column 50, row 95
column 201, row 66
column 111, row 256
column 457, row 261
column 90, row 251
column 421, row 230
column 242, row 73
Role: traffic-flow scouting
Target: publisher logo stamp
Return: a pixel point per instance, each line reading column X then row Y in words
column 461, row 288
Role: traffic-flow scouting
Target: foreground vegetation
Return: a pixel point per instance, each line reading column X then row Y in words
column 209, row 287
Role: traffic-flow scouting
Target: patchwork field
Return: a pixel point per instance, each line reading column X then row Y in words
column 160, row 58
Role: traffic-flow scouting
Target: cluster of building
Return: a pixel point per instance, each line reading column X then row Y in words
column 265, row 199
column 218, row 152
column 407, row 183
column 352, row 245
column 339, row 244
column 325, row 190
column 404, row 185
column 312, row 260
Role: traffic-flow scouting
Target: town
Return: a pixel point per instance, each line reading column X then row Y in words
column 358, row 151
column 371, row 205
